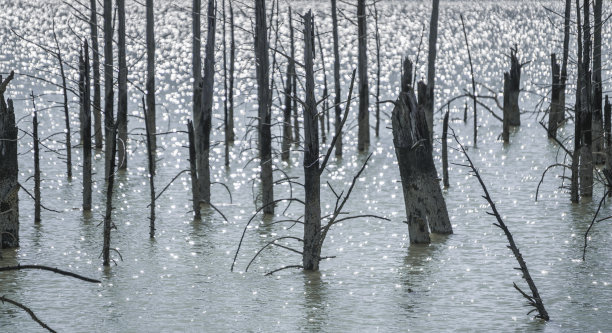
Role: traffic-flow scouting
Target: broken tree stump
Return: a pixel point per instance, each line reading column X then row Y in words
column 9, row 186
column 422, row 195
column 513, row 89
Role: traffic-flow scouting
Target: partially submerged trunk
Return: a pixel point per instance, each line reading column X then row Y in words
column 363, row 136
column 9, row 185
column 97, row 103
column 422, row 195
column 312, row 186
column 445, row 150
column 264, row 110
column 337, row 99
column 555, row 115
column 513, row 89
column 108, row 87
column 574, row 187
column 86, row 130
column 586, row 151
column 193, row 170
column 122, row 104
column 150, row 85
column 109, row 198
column 151, row 163
column 36, row 163
column 377, row 39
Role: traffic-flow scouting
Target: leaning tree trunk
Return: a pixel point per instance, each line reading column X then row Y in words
column 431, row 66
column 312, row 182
column 597, row 123
column 86, row 120
column 9, row 186
column 264, row 111
column 122, row 83
column 363, row 136
column 337, row 100
column 97, row 104
column 108, row 86
column 422, row 195
column 150, row 85
column 555, row 113
column 514, row 87
column 204, row 121
column 586, row 151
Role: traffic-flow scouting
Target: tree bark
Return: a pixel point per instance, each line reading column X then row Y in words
column 151, row 163
column 150, row 85
column 225, row 91
column 9, row 185
column 86, row 133
column 555, row 113
column 431, row 66
column 286, row 145
column 506, row 110
column 36, row 163
column 445, row 150
column 574, row 187
column 97, row 98
column 312, row 186
column 296, row 121
column 566, row 40
column 597, row 122
column 108, row 86
column 337, row 97
column 363, row 137
column 230, row 115
column 122, row 103
column 514, row 87
column 377, row 38
column 586, row 151
column 196, row 64
column 109, row 197
column 264, row 111
column 195, row 190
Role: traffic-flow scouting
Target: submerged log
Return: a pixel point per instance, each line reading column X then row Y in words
column 9, row 186
column 422, row 195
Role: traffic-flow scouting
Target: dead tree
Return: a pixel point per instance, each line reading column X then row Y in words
column 534, row 299
column 151, row 163
column 9, row 185
column 108, row 86
column 109, row 197
column 324, row 107
column 422, row 195
column 150, row 85
column 512, row 90
column 286, row 145
column 97, row 104
column 230, row 112
column 363, row 136
column 264, row 110
column 193, row 170
column 225, row 90
column 431, row 66
column 467, row 45
column 586, row 114
column 296, row 121
column 86, row 126
column 36, row 162
column 555, row 115
column 58, row 54
column 122, row 103
column 445, row 150
column 566, row 39
column 377, row 39
column 574, row 187
column 597, row 97
column 608, row 132
column 337, row 108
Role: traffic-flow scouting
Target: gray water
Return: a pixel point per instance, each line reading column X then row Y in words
column 181, row 280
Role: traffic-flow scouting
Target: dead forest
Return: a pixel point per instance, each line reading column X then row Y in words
column 273, row 139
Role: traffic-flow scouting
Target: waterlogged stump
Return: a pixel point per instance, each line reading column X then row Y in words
column 512, row 90
column 425, row 205
column 9, row 200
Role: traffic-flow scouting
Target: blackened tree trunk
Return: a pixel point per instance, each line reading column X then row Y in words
column 86, row 125
column 608, row 131
column 150, row 85
column 195, row 190
column 108, row 86
column 286, row 145
column 264, row 110
column 97, row 103
column 597, row 122
column 431, row 66
column 422, row 195
column 514, row 88
column 337, row 99
column 363, row 136
column 230, row 112
column 204, row 121
column 122, row 86
column 586, row 151
column 312, row 186
column 9, row 186
column 556, row 112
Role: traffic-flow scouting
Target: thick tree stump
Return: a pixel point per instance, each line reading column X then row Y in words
column 422, row 195
column 9, row 186
column 513, row 90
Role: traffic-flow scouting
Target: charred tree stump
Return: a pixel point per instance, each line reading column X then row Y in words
column 109, row 117
column 97, row 98
column 122, row 103
column 150, row 85
column 363, row 137
column 9, row 185
column 422, row 195
column 86, row 128
column 264, row 111
column 312, row 186
column 512, row 90
column 195, row 190
column 555, row 114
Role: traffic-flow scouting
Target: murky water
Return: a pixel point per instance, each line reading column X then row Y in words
column 181, row 281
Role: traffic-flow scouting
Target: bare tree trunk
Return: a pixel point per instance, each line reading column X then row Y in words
column 263, row 92
column 422, row 195
column 109, row 197
column 204, row 125
column 431, row 66
column 66, row 113
column 324, row 111
column 151, row 160
column 312, row 186
column 97, row 103
column 506, row 110
column 230, row 115
column 586, row 151
column 86, row 133
column 467, row 45
column 296, row 121
column 566, row 40
column 445, row 150
column 225, row 92
column 554, row 115
column 597, row 123
column 195, row 190
column 514, row 88
column 108, row 86
column 337, row 98
column 122, row 104
column 363, row 137
column 150, row 86
column 377, row 38
column 9, row 185
column 574, row 187
column 608, row 132
column 286, row 145
column 196, row 64
column 36, row 163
